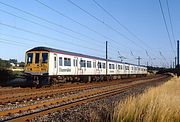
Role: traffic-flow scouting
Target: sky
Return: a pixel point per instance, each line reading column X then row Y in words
column 133, row 28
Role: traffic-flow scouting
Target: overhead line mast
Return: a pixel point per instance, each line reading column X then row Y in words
column 178, row 54
column 106, row 58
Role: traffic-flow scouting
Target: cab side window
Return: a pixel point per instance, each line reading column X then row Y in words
column 44, row 58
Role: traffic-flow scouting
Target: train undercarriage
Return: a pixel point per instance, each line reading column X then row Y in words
column 45, row 80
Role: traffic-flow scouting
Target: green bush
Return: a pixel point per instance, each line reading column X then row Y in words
column 6, row 75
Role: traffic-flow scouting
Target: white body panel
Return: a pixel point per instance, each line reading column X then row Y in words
column 95, row 67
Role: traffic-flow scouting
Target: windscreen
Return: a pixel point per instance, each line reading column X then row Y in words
column 29, row 58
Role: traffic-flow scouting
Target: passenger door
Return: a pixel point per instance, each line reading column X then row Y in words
column 98, row 68
column 55, row 64
column 82, row 66
column 75, row 64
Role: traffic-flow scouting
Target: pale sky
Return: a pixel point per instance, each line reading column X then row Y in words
column 82, row 26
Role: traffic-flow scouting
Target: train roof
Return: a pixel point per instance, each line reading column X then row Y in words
column 75, row 54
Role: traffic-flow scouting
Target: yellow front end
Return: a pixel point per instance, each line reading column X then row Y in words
column 37, row 62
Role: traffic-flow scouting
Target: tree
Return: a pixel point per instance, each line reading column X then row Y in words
column 13, row 61
column 4, row 64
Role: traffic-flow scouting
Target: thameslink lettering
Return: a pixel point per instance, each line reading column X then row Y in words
column 65, row 70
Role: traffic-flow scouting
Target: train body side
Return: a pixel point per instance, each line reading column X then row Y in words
column 63, row 64
column 45, row 63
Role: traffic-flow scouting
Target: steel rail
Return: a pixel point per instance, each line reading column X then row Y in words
column 51, row 92
column 71, row 101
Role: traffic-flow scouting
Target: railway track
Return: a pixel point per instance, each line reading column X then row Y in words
column 4, row 92
column 28, row 113
column 49, row 92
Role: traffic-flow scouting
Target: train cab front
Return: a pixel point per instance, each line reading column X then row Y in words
column 36, row 67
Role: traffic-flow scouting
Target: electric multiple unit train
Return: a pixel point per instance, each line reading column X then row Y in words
column 45, row 65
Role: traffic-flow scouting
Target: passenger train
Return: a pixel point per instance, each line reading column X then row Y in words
column 45, row 65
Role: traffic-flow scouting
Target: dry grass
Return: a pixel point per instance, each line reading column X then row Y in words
column 160, row 104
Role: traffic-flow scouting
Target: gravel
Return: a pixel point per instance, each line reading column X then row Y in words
column 99, row 111
column 11, row 106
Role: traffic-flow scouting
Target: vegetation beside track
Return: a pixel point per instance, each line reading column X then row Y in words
column 159, row 104
column 58, row 107
column 7, row 75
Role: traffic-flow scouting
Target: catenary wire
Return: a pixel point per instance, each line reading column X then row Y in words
column 107, row 25
column 48, row 37
column 123, row 26
column 48, row 21
column 170, row 19
column 162, row 12
column 47, row 27
column 73, row 20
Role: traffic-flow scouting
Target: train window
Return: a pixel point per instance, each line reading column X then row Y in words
column 60, row 61
column 55, row 62
column 121, row 67
column 44, row 57
column 112, row 66
column 29, row 58
column 99, row 64
column 83, row 63
column 37, row 58
column 74, row 62
column 94, row 64
column 127, row 67
column 89, row 64
column 104, row 66
column 67, row 62
column 109, row 66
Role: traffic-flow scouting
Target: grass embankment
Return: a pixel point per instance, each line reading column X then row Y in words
column 160, row 104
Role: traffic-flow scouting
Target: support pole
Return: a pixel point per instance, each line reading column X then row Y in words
column 139, row 60
column 178, row 70
column 106, row 60
column 178, row 54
